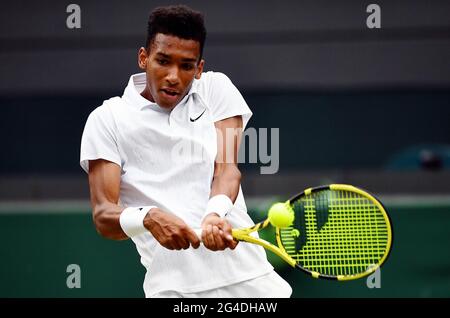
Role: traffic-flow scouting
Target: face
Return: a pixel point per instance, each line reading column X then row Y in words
column 171, row 66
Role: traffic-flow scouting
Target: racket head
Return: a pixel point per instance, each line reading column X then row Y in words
column 340, row 232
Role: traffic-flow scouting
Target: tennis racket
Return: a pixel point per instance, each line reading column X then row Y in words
column 339, row 232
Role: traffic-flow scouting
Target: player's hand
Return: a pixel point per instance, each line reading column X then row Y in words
column 216, row 233
column 170, row 231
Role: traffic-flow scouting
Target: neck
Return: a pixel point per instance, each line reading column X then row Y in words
column 147, row 95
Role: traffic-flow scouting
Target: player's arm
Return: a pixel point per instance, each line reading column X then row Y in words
column 216, row 233
column 104, row 183
column 104, row 186
column 227, row 177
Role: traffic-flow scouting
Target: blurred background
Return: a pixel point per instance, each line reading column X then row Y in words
column 368, row 107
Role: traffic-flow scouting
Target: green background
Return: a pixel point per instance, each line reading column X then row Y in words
column 38, row 246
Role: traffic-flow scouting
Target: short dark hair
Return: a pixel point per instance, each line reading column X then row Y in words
column 178, row 20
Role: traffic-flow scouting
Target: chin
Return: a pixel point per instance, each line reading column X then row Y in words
column 166, row 105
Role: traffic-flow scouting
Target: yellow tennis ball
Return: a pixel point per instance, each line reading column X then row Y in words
column 281, row 215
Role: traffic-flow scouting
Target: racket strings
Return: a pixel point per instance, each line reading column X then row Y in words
column 345, row 233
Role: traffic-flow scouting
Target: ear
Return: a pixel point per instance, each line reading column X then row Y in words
column 198, row 74
column 142, row 58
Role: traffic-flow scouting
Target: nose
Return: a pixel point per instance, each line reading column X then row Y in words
column 172, row 76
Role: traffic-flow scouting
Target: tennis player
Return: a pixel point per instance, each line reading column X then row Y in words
column 147, row 184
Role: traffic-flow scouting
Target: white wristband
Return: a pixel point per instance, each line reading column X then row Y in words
column 220, row 204
column 132, row 220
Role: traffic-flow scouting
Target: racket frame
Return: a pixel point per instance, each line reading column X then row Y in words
column 244, row 234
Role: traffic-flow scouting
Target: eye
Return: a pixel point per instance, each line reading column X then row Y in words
column 187, row 66
column 162, row 61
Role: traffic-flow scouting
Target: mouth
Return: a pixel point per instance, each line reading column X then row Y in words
column 169, row 97
column 170, row 92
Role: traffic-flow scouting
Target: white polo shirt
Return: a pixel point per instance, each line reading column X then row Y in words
column 167, row 160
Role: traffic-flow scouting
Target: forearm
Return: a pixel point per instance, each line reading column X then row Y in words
column 107, row 221
column 227, row 180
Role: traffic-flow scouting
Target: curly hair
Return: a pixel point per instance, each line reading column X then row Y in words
column 178, row 20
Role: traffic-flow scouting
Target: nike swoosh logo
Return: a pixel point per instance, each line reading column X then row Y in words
column 192, row 120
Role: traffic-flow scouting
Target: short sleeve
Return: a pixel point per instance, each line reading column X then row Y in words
column 225, row 100
column 99, row 140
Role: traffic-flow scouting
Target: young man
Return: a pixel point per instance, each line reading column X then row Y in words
column 146, row 184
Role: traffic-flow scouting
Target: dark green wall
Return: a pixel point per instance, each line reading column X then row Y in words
column 37, row 248
column 319, row 130
column 351, row 130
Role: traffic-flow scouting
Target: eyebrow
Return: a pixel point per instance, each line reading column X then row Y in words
column 163, row 55
column 189, row 60
column 183, row 60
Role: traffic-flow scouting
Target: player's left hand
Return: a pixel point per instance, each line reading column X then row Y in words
column 216, row 233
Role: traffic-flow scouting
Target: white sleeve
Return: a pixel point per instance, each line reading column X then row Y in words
column 225, row 100
column 99, row 140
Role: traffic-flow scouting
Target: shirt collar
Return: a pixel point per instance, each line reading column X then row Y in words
column 136, row 84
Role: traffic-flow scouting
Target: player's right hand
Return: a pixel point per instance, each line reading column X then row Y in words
column 170, row 231
column 216, row 233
